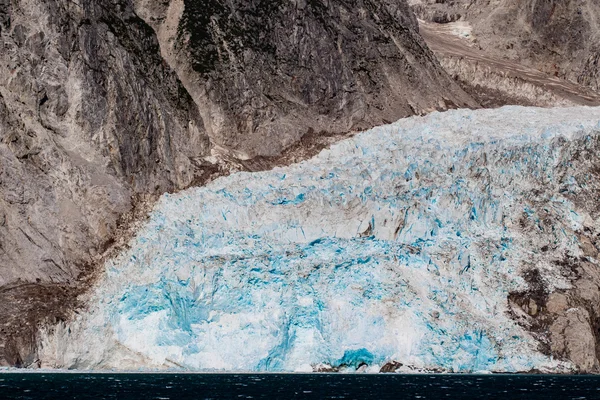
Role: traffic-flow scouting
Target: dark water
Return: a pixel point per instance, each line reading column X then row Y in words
column 296, row 386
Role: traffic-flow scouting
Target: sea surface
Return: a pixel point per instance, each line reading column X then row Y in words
column 295, row 386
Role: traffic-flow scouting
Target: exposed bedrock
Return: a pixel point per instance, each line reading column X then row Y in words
column 560, row 38
column 264, row 73
column 90, row 118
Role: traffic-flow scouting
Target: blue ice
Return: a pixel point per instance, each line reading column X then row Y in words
column 400, row 244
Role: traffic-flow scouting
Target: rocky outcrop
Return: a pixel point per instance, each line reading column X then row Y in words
column 271, row 71
column 90, row 118
column 566, row 321
column 559, row 38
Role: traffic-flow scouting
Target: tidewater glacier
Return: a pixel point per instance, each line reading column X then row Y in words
column 399, row 244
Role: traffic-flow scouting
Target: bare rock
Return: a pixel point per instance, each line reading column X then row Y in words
column 90, row 117
column 588, row 248
column 557, row 38
column 391, row 366
column 265, row 73
column 557, row 303
column 573, row 339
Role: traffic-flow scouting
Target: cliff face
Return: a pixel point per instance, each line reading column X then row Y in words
column 271, row 71
column 560, row 38
column 95, row 114
column 90, row 116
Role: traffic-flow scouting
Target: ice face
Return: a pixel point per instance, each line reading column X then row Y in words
column 401, row 243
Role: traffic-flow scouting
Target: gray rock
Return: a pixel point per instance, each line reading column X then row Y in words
column 560, row 38
column 90, row 116
column 264, row 73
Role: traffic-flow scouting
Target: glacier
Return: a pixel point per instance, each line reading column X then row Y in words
column 401, row 244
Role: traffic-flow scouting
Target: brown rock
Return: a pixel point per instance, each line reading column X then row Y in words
column 588, row 248
column 557, row 303
column 572, row 337
column 391, row 366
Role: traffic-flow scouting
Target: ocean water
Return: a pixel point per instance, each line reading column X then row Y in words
column 296, row 386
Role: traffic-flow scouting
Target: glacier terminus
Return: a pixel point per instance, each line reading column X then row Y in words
column 402, row 244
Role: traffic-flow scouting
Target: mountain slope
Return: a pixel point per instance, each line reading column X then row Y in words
column 271, row 71
column 495, row 80
column 90, row 118
column 560, row 38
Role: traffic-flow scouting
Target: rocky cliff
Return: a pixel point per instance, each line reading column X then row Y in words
column 90, row 117
column 270, row 71
column 103, row 103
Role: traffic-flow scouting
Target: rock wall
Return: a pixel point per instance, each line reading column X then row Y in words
column 90, row 117
column 272, row 71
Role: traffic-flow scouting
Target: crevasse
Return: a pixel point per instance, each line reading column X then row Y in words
column 400, row 244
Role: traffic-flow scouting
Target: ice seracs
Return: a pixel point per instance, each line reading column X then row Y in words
column 401, row 244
